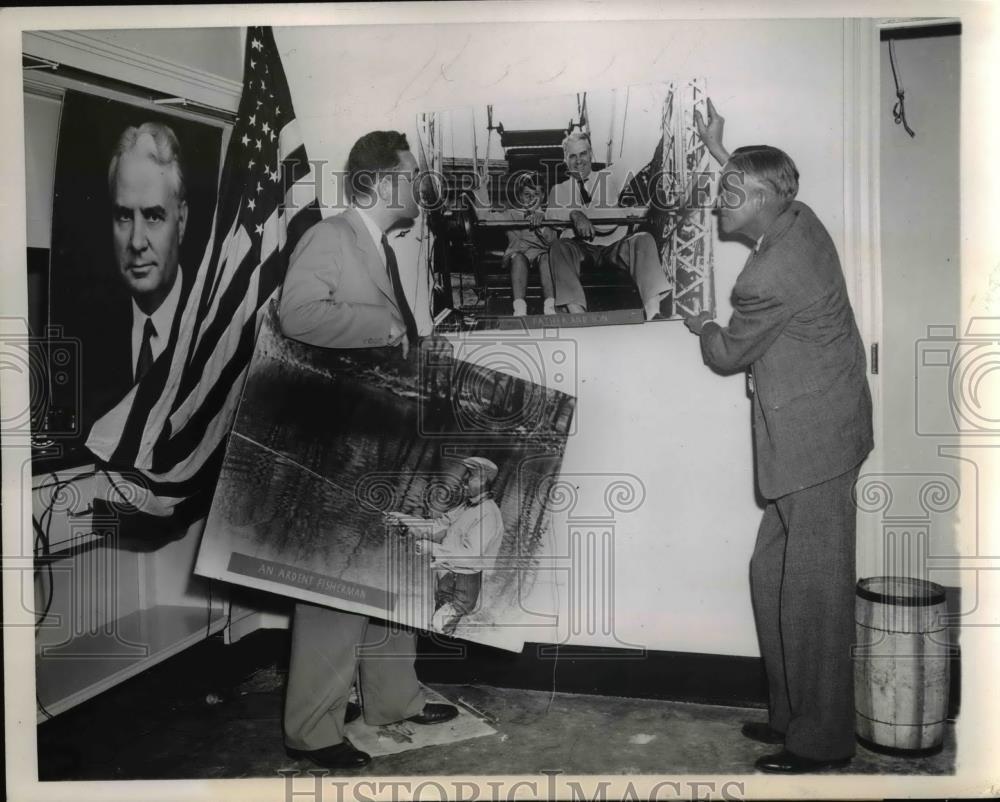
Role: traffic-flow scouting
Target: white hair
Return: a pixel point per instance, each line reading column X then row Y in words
column 573, row 138
column 155, row 141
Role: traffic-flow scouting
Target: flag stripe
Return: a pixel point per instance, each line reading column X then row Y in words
column 183, row 442
column 303, row 220
column 174, row 488
column 174, row 425
column 238, row 245
column 228, row 302
column 234, row 296
column 272, row 271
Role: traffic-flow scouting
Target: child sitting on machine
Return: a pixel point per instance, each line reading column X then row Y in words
column 530, row 246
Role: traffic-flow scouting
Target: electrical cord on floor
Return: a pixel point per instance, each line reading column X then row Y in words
column 552, row 695
column 42, row 526
column 208, row 622
column 46, row 713
column 121, row 493
column 229, row 617
column 50, row 595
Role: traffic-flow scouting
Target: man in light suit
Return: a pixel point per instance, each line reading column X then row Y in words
column 343, row 290
column 793, row 327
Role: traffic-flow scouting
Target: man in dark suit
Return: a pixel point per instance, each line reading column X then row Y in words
column 343, row 290
column 793, row 327
column 148, row 218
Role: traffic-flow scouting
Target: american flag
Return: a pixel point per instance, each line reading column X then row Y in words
column 163, row 444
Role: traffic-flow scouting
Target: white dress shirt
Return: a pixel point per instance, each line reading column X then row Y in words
column 374, row 230
column 377, row 234
column 603, row 188
column 163, row 319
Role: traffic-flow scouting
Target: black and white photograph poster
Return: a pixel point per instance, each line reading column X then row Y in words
column 629, row 159
column 102, row 288
column 438, row 475
column 500, row 400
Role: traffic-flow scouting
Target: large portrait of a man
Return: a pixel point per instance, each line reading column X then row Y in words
column 149, row 214
column 135, row 192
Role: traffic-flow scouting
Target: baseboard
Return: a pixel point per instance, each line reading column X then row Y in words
column 675, row 676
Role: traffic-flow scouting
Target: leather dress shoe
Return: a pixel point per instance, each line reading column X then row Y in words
column 434, row 714
column 785, row 762
column 338, row 756
column 352, row 713
column 763, row 732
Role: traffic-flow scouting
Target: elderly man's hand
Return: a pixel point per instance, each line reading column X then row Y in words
column 711, row 132
column 582, row 227
column 695, row 323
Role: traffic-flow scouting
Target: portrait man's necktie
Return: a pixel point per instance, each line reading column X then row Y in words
column 584, row 195
column 397, row 287
column 145, row 361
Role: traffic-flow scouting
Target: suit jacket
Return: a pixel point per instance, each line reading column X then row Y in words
column 793, row 325
column 108, row 358
column 337, row 292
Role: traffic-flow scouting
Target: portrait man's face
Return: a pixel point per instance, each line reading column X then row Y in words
column 578, row 158
column 148, row 225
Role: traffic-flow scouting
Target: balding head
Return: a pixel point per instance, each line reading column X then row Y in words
column 770, row 167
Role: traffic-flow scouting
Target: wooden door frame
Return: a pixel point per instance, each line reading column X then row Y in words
column 862, row 257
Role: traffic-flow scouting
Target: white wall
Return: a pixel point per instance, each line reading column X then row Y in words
column 920, row 267
column 217, row 51
column 646, row 404
column 41, row 125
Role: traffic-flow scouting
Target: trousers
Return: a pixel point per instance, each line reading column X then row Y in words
column 456, row 596
column 802, row 577
column 636, row 254
column 328, row 648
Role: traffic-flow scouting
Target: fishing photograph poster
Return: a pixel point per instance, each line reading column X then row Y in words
column 416, row 491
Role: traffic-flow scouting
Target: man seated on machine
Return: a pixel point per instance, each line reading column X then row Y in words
column 527, row 247
column 601, row 246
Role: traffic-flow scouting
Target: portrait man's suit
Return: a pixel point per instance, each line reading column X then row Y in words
column 337, row 294
column 108, row 379
column 110, row 373
column 793, row 326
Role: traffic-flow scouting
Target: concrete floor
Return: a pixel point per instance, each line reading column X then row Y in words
column 161, row 725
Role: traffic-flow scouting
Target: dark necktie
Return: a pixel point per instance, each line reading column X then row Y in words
column 145, row 361
column 397, row 287
column 584, row 195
